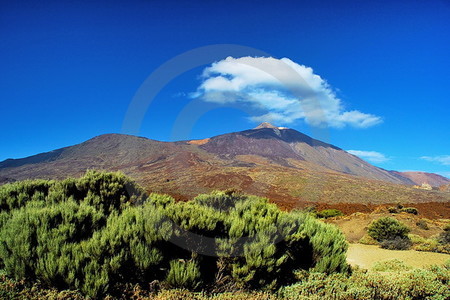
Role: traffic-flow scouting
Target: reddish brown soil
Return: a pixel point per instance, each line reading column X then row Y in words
column 431, row 210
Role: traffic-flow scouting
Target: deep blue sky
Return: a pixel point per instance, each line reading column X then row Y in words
column 69, row 70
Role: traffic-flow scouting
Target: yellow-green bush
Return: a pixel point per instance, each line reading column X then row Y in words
column 429, row 283
column 329, row 213
column 368, row 240
column 390, row 266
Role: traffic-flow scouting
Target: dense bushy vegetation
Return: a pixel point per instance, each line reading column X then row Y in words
column 100, row 231
column 394, row 282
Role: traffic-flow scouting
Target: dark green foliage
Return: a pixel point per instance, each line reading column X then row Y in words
column 264, row 245
column 17, row 194
column 99, row 231
column 397, row 243
column 393, row 210
column 444, row 237
column 329, row 213
column 400, row 208
column 387, row 228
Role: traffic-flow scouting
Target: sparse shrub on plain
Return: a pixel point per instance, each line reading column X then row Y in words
column 416, row 239
column 329, row 213
column 390, row 233
column 432, row 244
column 422, row 224
column 387, row 228
column 410, row 210
column 399, row 208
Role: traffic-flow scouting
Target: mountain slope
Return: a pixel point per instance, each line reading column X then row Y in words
column 279, row 144
column 282, row 164
column 423, row 177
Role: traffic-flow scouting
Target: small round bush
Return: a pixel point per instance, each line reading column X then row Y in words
column 387, row 228
column 422, row 224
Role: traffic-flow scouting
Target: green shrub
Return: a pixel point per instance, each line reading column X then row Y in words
column 397, row 243
column 444, row 237
column 99, row 232
column 430, row 245
column 183, row 274
column 410, row 210
column 387, row 228
column 422, row 224
column 416, row 239
column 393, row 210
column 413, row 284
column 329, row 213
column 368, row 240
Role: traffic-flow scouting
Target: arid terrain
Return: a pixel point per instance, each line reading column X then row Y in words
column 365, row 256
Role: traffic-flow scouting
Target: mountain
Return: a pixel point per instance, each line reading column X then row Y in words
column 432, row 179
column 282, row 164
column 281, row 144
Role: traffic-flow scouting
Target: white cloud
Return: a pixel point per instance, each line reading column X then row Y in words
column 371, row 156
column 441, row 159
column 280, row 90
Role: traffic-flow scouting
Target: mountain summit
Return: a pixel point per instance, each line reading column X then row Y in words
column 267, row 125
